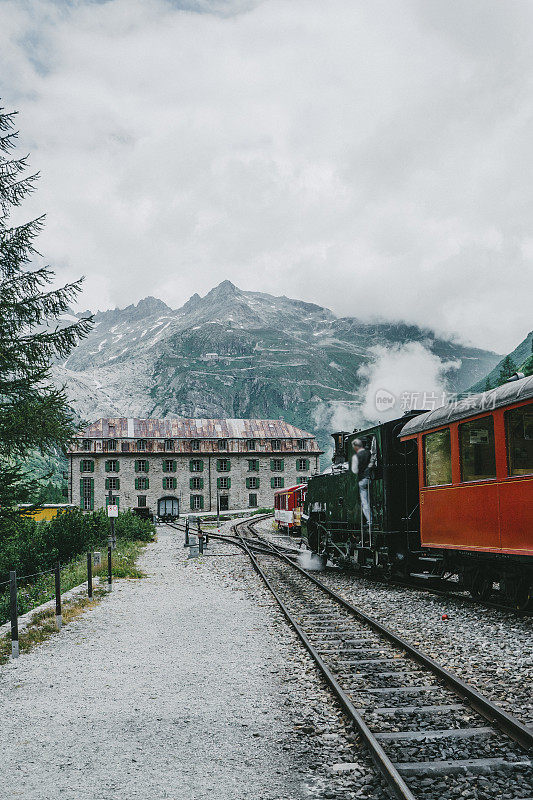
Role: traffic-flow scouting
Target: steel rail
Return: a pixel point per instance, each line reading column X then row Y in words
column 451, row 593
column 387, row 769
column 497, row 716
column 485, row 707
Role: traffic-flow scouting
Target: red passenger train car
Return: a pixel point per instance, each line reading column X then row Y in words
column 288, row 505
column 475, row 472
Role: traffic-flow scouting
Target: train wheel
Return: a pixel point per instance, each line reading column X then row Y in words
column 520, row 593
column 524, row 598
column 481, row 586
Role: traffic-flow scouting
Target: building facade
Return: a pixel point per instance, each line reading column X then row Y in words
column 172, row 466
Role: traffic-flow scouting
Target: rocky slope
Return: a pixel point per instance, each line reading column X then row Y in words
column 237, row 354
column 522, row 356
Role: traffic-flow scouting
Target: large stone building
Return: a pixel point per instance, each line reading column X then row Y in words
column 166, row 465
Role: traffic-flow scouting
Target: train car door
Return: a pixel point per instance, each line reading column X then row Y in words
column 168, row 507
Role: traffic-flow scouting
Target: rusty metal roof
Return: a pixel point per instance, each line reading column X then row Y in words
column 183, row 428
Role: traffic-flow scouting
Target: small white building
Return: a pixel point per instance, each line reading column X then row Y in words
column 171, row 466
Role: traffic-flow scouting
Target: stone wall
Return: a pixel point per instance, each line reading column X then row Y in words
column 238, row 493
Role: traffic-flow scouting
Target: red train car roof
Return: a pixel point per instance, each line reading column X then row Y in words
column 291, row 488
column 505, row 395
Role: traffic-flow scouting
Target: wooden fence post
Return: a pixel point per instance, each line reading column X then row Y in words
column 109, row 570
column 89, row 574
column 59, row 618
column 14, row 614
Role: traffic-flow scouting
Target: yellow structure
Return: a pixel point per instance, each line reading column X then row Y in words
column 46, row 511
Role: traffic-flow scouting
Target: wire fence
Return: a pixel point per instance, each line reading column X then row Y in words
column 34, row 575
column 15, row 588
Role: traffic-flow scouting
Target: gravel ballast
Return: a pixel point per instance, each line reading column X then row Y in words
column 488, row 648
column 185, row 685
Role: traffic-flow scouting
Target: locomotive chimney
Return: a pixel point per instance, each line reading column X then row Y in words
column 338, row 454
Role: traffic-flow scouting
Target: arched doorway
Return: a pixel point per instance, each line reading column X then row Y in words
column 168, row 508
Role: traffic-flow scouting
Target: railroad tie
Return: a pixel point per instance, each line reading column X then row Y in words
column 459, row 733
column 477, row 766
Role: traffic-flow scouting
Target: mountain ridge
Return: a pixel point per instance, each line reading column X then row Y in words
column 234, row 353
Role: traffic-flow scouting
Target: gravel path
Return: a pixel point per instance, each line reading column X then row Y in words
column 167, row 689
column 491, row 649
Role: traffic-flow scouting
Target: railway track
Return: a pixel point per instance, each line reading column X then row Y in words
column 431, row 588
column 400, row 700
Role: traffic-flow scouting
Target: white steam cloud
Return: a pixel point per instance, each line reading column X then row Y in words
column 402, row 377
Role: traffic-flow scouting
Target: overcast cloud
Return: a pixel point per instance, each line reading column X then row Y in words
column 374, row 157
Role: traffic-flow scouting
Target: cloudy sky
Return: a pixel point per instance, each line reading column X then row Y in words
column 374, row 157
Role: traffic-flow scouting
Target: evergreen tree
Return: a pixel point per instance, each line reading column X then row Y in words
column 34, row 415
column 507, row 369
column 488, row 385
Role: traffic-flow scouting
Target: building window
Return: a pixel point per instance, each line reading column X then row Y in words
column 169, row 465
column 125, row 447
column 277, row 483
column 112, row 483
column 478, row 455
column 169, row 445
column 276, row 444
column 141, row 445
column 197, row 502
column 302, row 464
column 195, row 444
column 87, row 494
column 301, row 444
column 87, row 444
column 141, row 501
column 519, row 425
column 197, row 483
column 142, row 484
column 251, row 444
column 438, row 458
column 223, row 465
column 87, row 465
column 252, row 483
column 112, row 501
column 276, row 464
column 253, row 465
column 170, row 483
column 110, row 445
column 252, row 501
column 112, row 465
column 224, row 483
column 196, row 465
column 141, row 465
column 222, row 444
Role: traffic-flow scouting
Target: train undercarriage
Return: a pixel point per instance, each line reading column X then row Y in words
column 398, row 557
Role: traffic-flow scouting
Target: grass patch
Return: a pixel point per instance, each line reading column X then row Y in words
column 73, row 574
column 43, row 624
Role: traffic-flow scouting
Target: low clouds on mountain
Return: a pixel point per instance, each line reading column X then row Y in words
column 371, row 157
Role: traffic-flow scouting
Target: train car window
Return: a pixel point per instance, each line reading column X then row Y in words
column 519, row 425
column 438, row 458
column 478, row 455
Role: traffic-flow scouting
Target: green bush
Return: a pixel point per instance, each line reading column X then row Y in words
column 29, row 547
